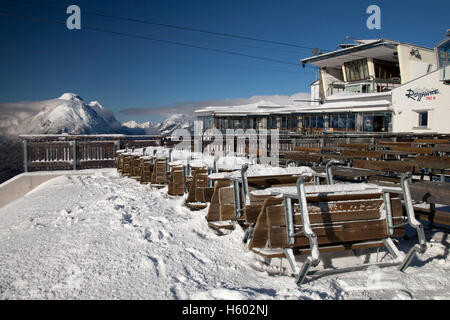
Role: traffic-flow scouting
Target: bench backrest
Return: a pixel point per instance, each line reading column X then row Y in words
column 362, row 154
column 346, row 220
column 303, row 157
column 386, row 166
column 308, row 149
column 354, row 146
column 413, row 150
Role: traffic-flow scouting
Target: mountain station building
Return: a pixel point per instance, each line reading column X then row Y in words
column 367, row 86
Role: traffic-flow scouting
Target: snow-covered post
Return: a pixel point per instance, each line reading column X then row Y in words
column 25, row 155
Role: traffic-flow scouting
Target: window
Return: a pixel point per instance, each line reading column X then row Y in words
column 386, row 69
column 368, row 124
column 357, row 70
column 320, row 122
column 443, row 54
column 423, row 119
column 334, row 119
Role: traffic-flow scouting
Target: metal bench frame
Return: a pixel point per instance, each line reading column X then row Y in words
column 313, row 259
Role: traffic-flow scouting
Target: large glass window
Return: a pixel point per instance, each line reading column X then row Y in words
column 368, row 124
column 320, row 122
column 386, row 69
column 356, row 70
column 351, row 122
column 284, row 122
column 443, row 54
column 334, row 121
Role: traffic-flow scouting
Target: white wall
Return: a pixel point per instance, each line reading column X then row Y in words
column 406, row 118
column 412, row 67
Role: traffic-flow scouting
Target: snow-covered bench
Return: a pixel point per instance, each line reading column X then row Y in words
column 304, row 220
column 232, row 201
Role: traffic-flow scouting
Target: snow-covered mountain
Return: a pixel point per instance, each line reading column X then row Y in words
column 67, row 114
column 134, row 125
column 166, row 127
column 71, row 114
column 175, row 121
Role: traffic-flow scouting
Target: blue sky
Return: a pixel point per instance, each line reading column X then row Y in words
column 43, row 60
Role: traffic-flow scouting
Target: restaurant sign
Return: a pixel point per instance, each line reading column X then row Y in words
column 424, row 94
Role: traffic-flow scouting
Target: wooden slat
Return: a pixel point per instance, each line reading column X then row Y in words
column 340, row 232
column 329, row 212
column 413, row 150
column 303, row 157
column 354, row 146
column 393, row 143
column 362, row 154
column 387, row 166
column 308, row 149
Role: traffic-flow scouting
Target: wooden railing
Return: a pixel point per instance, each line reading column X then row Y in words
column 56, row 152
column 53, row 152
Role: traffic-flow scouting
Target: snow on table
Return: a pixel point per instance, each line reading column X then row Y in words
column 259, row 170
column 223, row 163
column 102, row 236
column 322, row 189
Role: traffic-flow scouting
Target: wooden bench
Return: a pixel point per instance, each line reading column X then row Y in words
column 159, row 174
column 431, row 166
column 308, row 149
column 328, row 219
column 135, row 167
column 311, row 159
column 199, row 191
column 432, row 193
column 175, row 177
column 354, row 146
column 430, row 142
column 387, row 143
column 126, row 165
column 362, row 154
column 389, row 171
column 235, row 204
column 441, row 149
column 413, row 150
column 146, row 170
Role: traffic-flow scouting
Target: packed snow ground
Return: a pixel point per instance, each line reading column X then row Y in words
column 103, row 236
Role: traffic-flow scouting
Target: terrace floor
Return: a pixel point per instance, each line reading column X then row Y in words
column 102, row 236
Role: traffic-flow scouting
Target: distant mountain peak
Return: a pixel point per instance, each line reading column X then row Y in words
column 70, row 96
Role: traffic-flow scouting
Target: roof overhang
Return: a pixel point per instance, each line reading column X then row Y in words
column 378, row 50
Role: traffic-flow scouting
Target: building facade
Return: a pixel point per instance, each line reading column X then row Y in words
column 369, row 86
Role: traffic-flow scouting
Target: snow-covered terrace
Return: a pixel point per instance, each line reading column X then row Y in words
column 97, row 235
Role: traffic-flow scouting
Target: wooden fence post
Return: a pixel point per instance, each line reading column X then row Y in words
column 25, row 155
column 74, row 158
